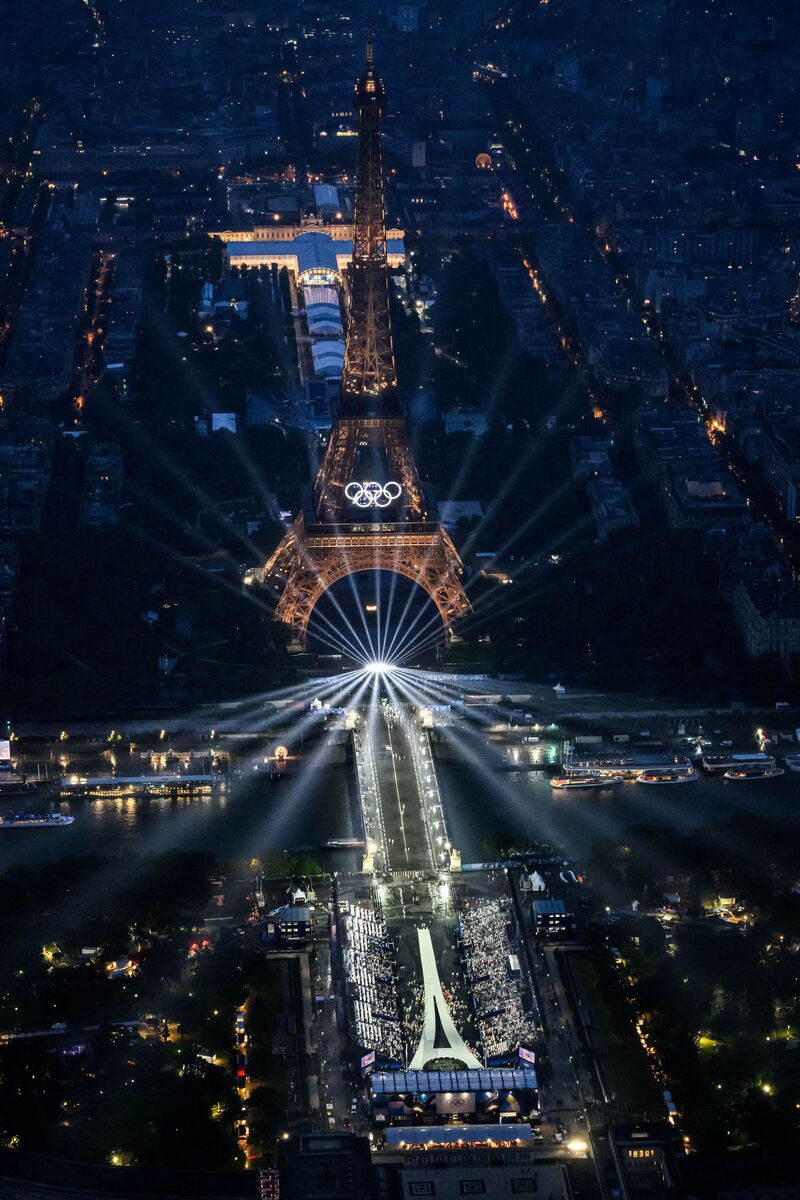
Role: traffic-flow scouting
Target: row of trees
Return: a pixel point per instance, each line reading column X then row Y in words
column 719, row 1004
column 110, row 1094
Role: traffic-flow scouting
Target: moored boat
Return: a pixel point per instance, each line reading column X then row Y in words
column 16, row 787
column 749, row 771
column 627, row 767
column 718, row 764
column 681, row 775
column 792, row 761
column 564, row 782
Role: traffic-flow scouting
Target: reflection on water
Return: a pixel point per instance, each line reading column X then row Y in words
column 252, row 817
column 523, row 808
column 485, row 807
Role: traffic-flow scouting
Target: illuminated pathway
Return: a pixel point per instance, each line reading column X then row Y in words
column 404, row 819
column 440, row 1038
column 369, row 793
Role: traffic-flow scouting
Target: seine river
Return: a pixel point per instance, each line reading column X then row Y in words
column 252, row 816
column 485, row 808
column 520, row 807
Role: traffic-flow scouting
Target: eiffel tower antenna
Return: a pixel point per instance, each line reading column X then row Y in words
column 368, row 376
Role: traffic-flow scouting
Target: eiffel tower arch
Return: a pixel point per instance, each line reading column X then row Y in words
column 368, row 509
column 309, row 560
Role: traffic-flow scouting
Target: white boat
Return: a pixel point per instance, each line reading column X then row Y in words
column 680, row 775
column 35, row 820
column 750, row 771
column 564, row 782
column 792, row 761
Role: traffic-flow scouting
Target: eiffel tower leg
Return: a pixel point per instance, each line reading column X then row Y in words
column 307, row 572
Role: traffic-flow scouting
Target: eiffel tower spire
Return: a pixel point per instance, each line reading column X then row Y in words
column 369, row 381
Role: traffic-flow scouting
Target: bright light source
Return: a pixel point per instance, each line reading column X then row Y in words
column 577, row 1145
column 377, row 667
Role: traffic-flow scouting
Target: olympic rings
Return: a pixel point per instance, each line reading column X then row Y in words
column 373, row 494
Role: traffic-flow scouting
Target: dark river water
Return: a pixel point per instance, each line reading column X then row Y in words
column 252, row 816
column 520, row 808
column 485, row 808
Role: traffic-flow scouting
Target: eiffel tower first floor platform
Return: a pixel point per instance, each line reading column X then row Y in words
column 311, row 557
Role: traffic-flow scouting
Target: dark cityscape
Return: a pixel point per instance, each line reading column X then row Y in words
column 399, row 484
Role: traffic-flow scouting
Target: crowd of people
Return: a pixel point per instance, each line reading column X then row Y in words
column 503, row 1022
column 370, row 971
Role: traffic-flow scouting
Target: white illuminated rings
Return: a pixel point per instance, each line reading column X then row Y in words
column 372, row 494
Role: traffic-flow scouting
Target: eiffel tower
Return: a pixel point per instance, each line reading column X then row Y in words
column 368, row 509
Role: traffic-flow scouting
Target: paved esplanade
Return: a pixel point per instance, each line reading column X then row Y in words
column 405, row 817
column 440, row 1038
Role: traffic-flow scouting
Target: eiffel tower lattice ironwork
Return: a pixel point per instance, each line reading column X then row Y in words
column 368, row 509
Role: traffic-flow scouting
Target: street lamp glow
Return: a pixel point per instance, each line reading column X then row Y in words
column 577, row 1145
